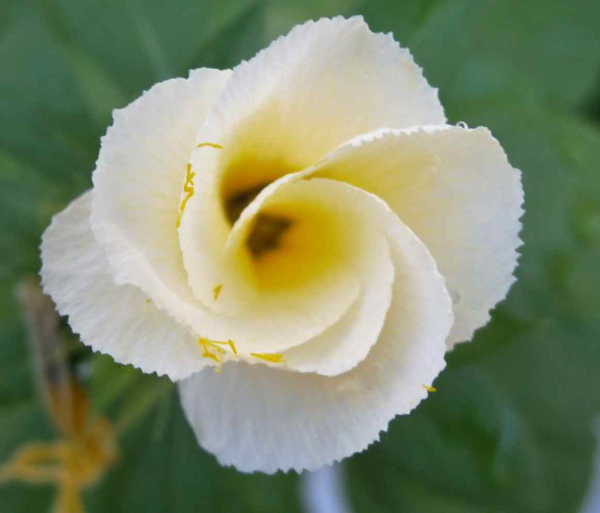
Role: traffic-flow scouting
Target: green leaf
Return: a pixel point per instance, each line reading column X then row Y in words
column 284, row 15
column 161, row 468
column 109, row 382
column 141, row 42
column 488, row 48
column 23, row 417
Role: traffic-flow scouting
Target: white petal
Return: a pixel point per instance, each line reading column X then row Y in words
column 280, row 113
column 322, row 84
column 456, row 190
column 258, row 418
column 214, row 253
column 347, row 342
column 119, row 320
column 285, row 316
column 137, row 184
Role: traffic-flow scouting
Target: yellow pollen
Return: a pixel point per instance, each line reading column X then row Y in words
column 212, row 356
column 430, row 389
column 269, row 357
column 216, row 347
column 188, row 188
column 210, row 145
column 213, row 349
column 205, row 343
column 232, row 345
column 217, row 290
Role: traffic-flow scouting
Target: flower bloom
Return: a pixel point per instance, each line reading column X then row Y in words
column 299, row 240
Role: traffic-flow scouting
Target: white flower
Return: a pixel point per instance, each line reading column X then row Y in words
column 298, row 224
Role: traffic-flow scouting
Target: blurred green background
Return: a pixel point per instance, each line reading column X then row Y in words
column 511, row 427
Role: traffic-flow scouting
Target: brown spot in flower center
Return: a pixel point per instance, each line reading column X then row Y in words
column 267, row 229
column 235, row 204
column 266, row 234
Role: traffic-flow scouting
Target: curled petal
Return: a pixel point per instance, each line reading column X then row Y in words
column 456, row 190
column 363, row 218
column 140, row 183
column 119, row 320
column 320, row 85
column 269, row 419
column 288, row 295
column 138, row 180
column 285, row 109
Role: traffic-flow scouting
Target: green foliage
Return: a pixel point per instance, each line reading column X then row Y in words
column 509, row 429
column 476, row 49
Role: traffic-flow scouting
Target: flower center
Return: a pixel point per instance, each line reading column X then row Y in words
column 267, row 230
column 291, row 241
column 236, row 203
column 266, row 233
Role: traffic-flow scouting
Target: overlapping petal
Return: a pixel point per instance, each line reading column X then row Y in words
column 293, row 313
column 269, row 419
column 282, row 111
column 308, row 92
column 456, row 190
column 362, row 220
column 137, row 184
column 285, row 109
column 119, row 320
column 138, row 187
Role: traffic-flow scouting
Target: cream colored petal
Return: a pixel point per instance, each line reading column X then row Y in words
column 456, row 190
column 347, row 342
column 314, row 297
column 118, row 320
column 310, row 91
column 280, row 113
column 137, row 184
column 263, row 419
column 206, row 240
column 138, row 192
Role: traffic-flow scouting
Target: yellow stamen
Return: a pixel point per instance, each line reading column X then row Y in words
column 216, row 346
column 232, row 345
column 430, row 389
column 269, row 357
column 205, row 343
column 188, row 188
column 211, row 145
column 217, row 343
column 219, row 352
column 217, row 290
column 212, row 356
